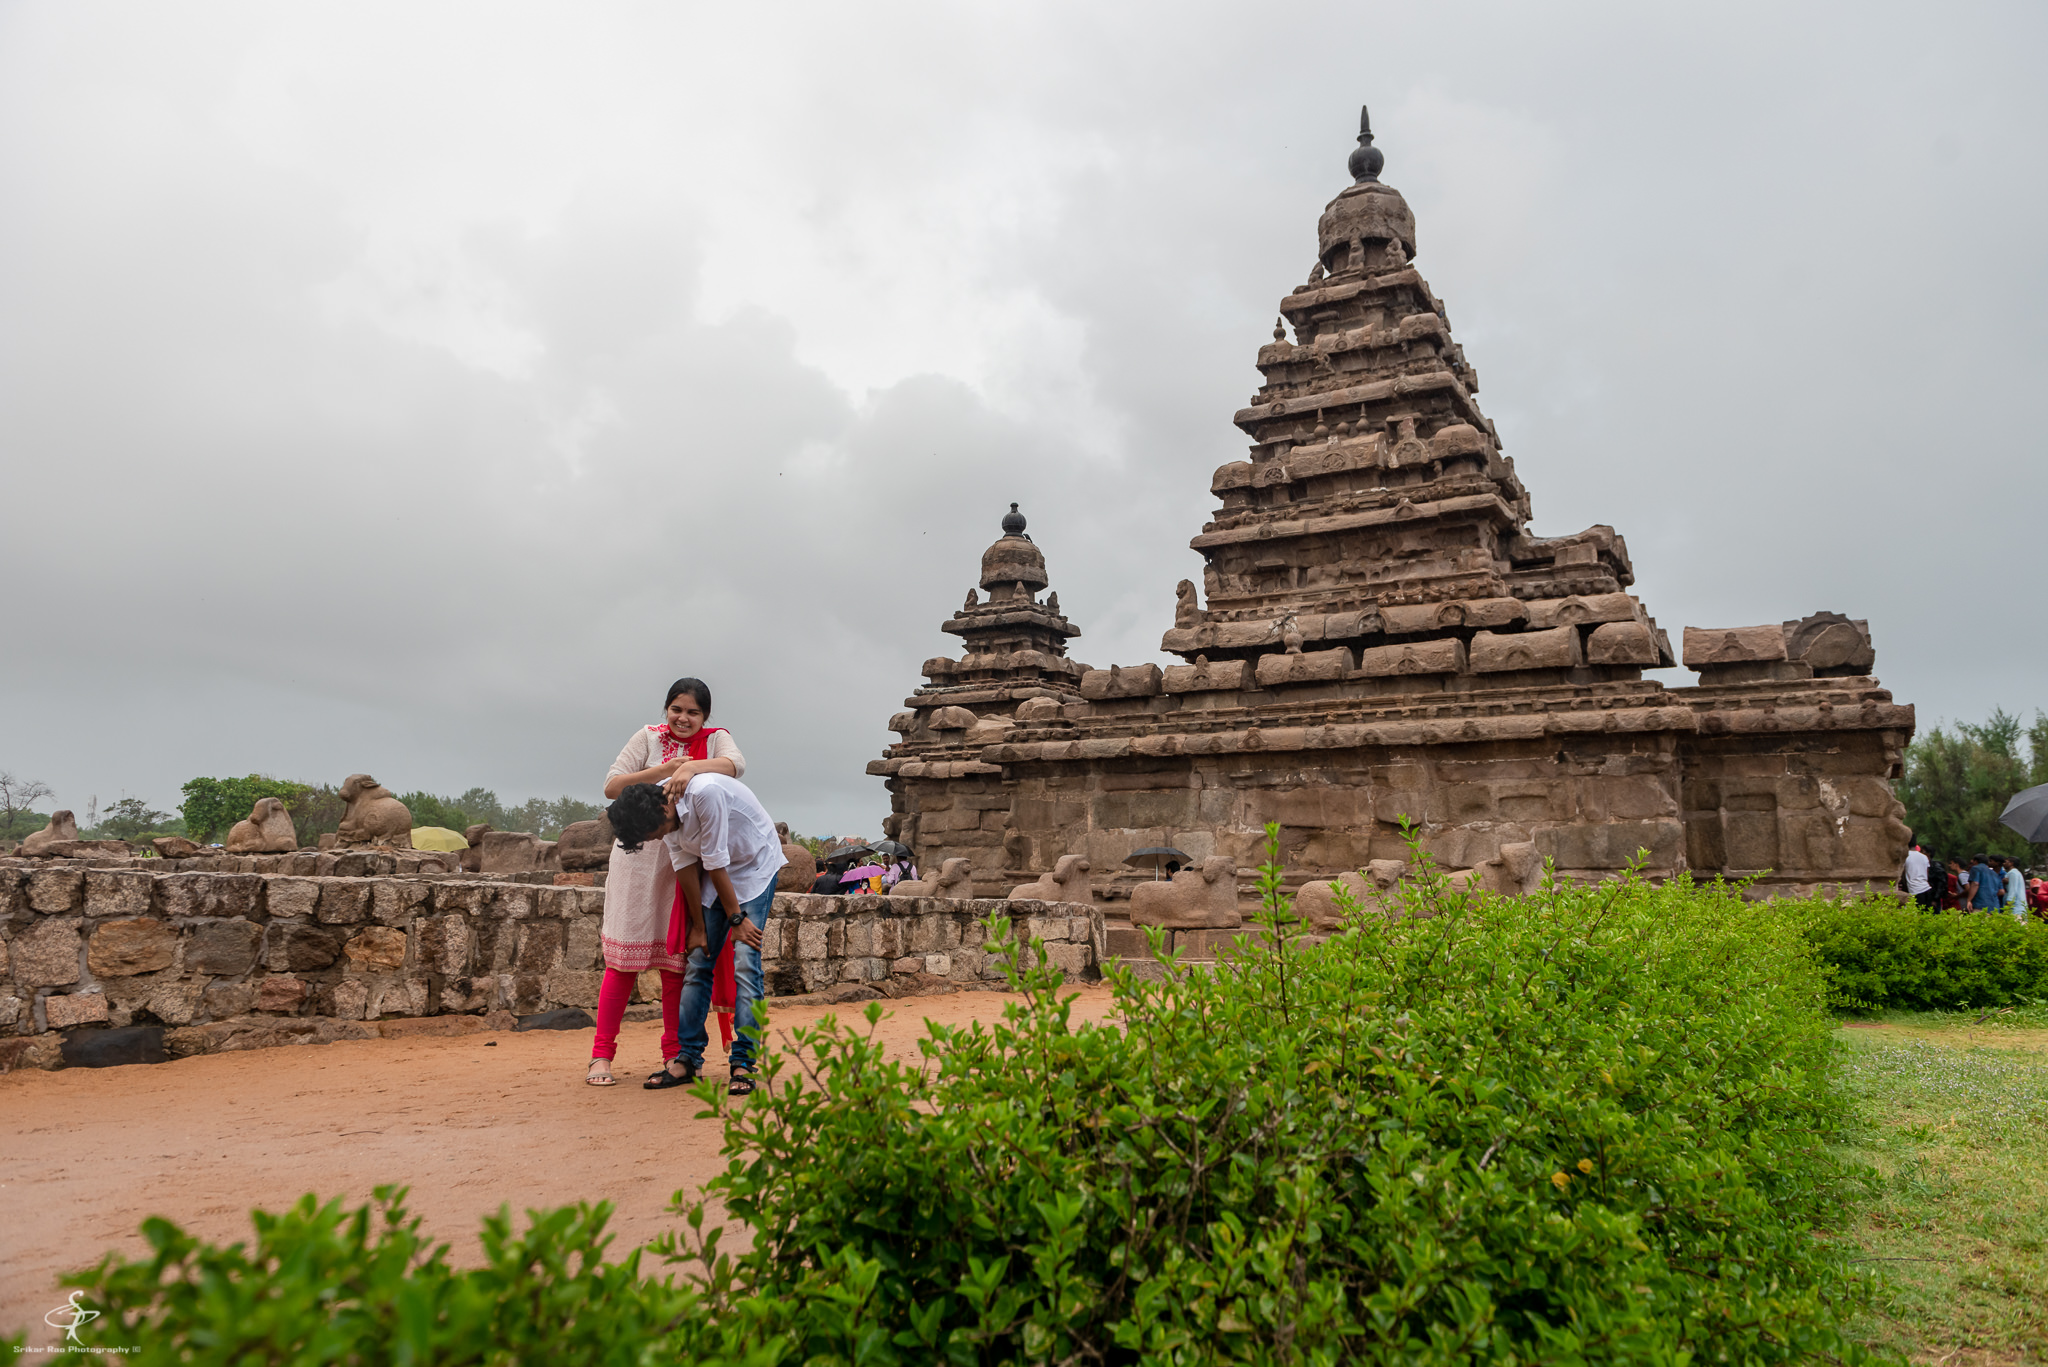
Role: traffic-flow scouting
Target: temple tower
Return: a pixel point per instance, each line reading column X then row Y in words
column 1385, row 641
column 1375, row 494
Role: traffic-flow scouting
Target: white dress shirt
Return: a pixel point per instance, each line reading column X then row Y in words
column 724, row 826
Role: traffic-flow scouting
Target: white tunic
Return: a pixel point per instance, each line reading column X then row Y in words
column 639, row 888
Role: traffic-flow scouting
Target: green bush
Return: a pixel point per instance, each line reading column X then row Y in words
column 1879, row 954
column 1583, row 1126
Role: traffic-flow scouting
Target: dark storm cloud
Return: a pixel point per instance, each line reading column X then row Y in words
column 419, row 390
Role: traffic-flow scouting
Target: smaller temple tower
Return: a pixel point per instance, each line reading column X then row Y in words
column 1016, row 655
column 1016, row 645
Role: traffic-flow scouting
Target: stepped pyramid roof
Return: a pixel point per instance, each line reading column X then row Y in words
column 1374, row 481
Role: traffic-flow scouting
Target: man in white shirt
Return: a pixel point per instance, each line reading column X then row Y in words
column 713, row 825
column 1917, row 884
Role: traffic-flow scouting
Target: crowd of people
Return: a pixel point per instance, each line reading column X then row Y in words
column 1982, row 882
column 837, row 877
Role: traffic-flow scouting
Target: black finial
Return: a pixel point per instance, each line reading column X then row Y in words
column 1013, row 522
column 1366, row 160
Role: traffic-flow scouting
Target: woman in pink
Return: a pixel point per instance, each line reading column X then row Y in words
column 640, row 888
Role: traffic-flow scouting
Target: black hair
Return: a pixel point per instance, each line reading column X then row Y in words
column 696, row 688
column 639, row 812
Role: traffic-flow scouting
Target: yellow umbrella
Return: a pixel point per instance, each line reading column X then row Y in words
column 437, row 838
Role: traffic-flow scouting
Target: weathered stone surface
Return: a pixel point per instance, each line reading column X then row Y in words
column 300, row 948
column 443, row 944
column 1494, row 652
column 540, row 948
column 377, row 947
column 1413, row 657
column 1134, row 681
column 223, row 948
column 586, row 845
column 121, row 948
column 1577, row 611
column 292, row 898
column 116, row 892
column 76, row 1008
column 54, row 892
column 799, row 870
column 575, row 987
column 46, row 954
column 1308, row 667
column 510, row 852
column 173, row 847
column 1621, row 643
column 210, row 894
column 228, row 999
column 1830, row 641
column 343, row 901
column 1205, row 676
column 280, row 993
column 395, row 903
column 1734, row 645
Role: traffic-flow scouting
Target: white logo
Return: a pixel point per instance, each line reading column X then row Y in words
column 71, row 1317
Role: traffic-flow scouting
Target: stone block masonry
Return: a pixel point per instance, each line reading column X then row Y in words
column 239, row 960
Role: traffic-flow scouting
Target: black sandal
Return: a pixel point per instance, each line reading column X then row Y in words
column 657, row 1081
column 742, row 1084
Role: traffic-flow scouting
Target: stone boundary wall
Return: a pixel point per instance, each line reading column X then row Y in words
column 243, row 960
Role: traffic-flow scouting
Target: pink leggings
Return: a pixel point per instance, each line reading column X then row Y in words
column 611, row 1009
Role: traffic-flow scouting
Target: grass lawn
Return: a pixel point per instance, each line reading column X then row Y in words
column 1954, row 1119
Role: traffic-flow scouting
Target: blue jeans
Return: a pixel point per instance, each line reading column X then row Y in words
column 746, row 972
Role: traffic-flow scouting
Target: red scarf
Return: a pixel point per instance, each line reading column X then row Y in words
column 725, row 994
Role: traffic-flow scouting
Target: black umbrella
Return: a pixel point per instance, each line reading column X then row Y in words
column 1157, row 857
column 892, row 849
column 850, row 853
column 2027, row 813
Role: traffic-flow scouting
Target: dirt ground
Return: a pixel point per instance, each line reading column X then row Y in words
column 469, row 1123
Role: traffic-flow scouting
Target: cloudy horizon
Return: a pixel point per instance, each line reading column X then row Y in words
column 417, row 390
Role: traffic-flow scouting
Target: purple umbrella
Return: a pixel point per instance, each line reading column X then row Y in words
column 863, row 872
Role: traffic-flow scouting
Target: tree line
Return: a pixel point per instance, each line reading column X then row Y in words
column 211, row 806
column 1958, row 780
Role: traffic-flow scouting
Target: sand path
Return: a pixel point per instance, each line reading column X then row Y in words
column 469, row 1123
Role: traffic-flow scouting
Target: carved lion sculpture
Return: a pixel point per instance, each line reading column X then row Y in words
column 63, row 826
column 1193, row 899
column 1068, row 882
column 954, row 880
column 374, row 816
column 268, row 830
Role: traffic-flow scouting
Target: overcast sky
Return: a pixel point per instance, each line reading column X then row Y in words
column 417, row 389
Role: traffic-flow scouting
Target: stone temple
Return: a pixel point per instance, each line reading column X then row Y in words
column 1380, row 634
